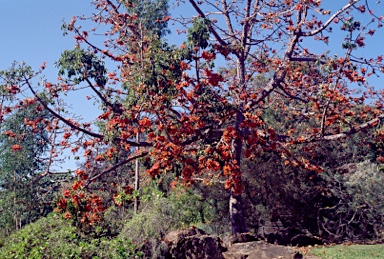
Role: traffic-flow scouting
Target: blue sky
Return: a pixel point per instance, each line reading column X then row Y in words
column 31, row 30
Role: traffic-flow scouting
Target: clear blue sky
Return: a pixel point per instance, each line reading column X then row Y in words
column 30, row 31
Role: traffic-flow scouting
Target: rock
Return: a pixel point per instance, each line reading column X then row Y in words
column 198, row 247
column 193, row 243
column 174, row 236
column 259, row 250
column 154, row 248
column 239, row 238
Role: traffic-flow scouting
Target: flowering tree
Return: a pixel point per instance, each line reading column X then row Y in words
column 198, row 121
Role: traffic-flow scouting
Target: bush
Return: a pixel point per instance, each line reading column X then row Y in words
column 160, row 214
column 359, row 211
column 53, row 237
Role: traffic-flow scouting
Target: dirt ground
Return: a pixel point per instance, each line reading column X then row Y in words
column 264, row 250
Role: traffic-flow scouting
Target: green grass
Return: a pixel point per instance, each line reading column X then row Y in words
column 350, row 252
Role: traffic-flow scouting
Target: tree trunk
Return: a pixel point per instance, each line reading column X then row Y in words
column 235, row 203
column 236, row 214
column 137, row 180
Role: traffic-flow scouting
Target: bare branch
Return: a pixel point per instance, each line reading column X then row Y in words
column 306, row 59
column 369, row 124
column 325, row 25
column 227, row 18
column 113, row 107
column 61, row 118
column 142, row 154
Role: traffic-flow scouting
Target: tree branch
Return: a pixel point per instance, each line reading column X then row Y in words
column 144, row 153
column 344, row 134
column 314, row 32
column 61, row 118
column 75, row 127
column 113, row 107
column 213, row 31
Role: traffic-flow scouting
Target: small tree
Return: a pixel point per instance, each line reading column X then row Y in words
column 24, row 194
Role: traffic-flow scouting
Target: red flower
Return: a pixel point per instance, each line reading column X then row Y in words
column 208, row 56
column 99, row 158
column 77, row 185
column 66, row 193
column 67, row 215
column 10, row 133
column 81, row 174
column 75, row 200
column 128, row 189
column 62, row 204
column 16, row 147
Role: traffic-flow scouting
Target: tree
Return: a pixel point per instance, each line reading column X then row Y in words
column 198, row 123
column 24, row 194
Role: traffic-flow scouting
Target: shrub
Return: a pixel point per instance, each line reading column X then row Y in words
column 359, row 211
column 160, row 214
column 53, row 237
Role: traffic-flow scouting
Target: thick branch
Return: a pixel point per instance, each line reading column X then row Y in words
column 246, row 28
column 287, row 139
column 213, row 31
column 367, row 125
column 227, row 18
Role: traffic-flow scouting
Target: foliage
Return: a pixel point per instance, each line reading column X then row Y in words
column 53, row 237
column 152, row 15
column 349, row 251
column 160, row 214
column 277, row 188
column 80, row 65
column 25, row 195
column 162, row 211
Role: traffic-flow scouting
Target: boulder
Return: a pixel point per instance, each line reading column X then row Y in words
column 174, row 236
column 193, row 243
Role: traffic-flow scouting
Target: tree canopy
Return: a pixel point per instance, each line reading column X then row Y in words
column 200, row 122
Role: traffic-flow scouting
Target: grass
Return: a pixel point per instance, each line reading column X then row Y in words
column 350, row 252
